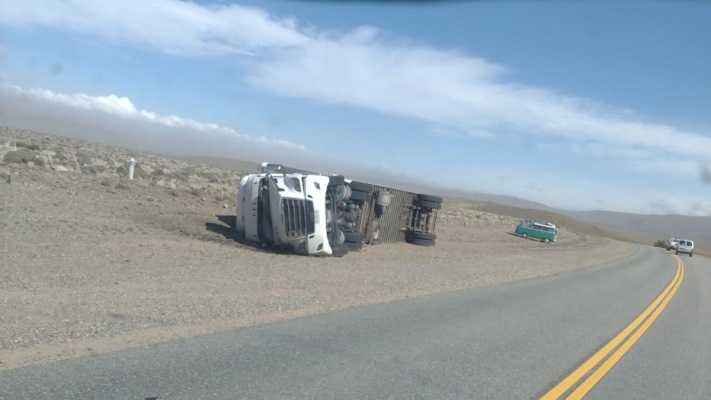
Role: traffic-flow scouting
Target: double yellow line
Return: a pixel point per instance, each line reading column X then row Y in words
column 620, row 344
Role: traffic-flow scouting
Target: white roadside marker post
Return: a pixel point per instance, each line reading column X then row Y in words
column 131, row 166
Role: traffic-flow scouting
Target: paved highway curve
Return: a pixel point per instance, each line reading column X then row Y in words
column 595, row 368
column 632, row 329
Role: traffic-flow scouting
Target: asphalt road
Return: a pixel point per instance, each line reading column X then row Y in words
column 511, row 341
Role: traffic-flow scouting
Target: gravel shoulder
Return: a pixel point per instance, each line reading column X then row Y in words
column 91, row 263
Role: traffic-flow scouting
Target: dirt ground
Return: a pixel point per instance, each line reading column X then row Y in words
column 91, row 262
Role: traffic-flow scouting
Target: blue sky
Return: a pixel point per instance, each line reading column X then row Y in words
column 578, row 105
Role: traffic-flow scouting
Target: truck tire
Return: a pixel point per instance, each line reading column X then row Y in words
column 427, row 197
column 422, row 242
column 354, row 246
column 423, row 235
column 339, row 251
column 373, row 234
column 354, row 237
column 429, row 204
column 339, row 238
column 357, row 195
column 361, row 187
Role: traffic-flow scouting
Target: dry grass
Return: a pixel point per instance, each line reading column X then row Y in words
column 109, row 165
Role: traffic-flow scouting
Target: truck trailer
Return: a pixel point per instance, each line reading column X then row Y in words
column 325, row 214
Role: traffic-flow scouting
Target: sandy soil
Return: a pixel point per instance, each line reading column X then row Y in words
column 91, row 262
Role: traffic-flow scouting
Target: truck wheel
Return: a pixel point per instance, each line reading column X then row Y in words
column 524, row 235
column 361, row 187
column 691, row 254
column 339, row 237
column 427, row 197
column 429, row 204
column 339, row 251
column 357, row 195
column 354, row 246
column 422, row 242
column 423, row 235
column 343, row 192
column 373, row 233
column 545, row 241
column 301, row 249
column 354, row 237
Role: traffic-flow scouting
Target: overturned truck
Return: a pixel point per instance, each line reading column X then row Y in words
column 325, row 214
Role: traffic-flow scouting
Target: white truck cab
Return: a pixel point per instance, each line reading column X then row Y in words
column 281, row 209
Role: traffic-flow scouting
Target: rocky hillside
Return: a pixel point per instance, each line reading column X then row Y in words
column 109, row 166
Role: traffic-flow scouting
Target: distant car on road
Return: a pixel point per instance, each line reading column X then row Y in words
column 685, row 247
column 672, row 243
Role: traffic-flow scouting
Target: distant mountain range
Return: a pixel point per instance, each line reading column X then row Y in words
column 658, row 226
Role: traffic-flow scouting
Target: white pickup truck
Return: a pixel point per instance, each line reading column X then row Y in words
column 326, row 214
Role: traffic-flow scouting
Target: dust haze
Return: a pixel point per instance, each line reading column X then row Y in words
column 24, row 111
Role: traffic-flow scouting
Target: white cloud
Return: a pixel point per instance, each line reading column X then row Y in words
column 122, row 106
column 115, row 120
column 668, row 168
column 170, row 26
column 457, row 91
column 364, row 68
column 415, row 82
